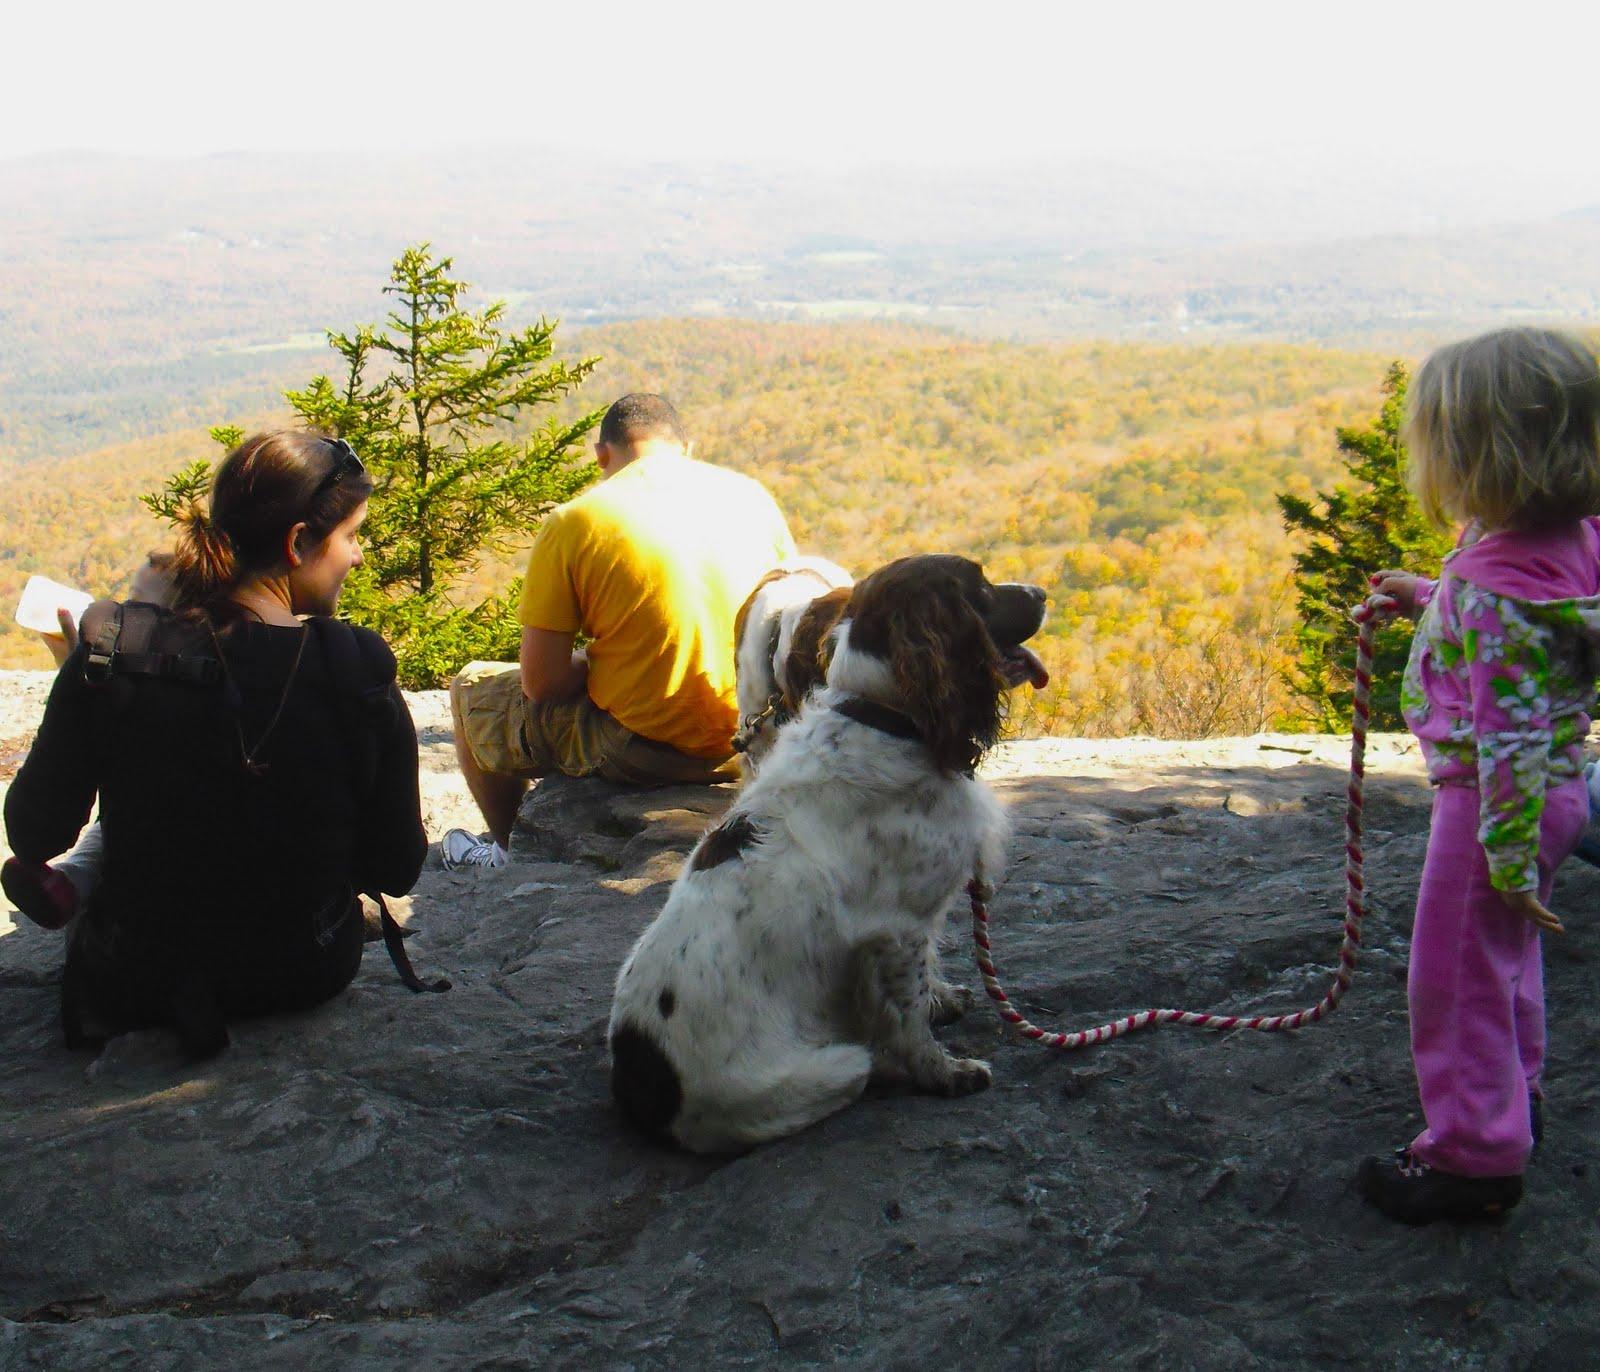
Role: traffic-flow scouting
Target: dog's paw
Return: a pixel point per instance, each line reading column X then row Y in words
column 968, row 1076
column 949, row 1002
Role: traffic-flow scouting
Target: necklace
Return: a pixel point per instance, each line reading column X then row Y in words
column 231, row 693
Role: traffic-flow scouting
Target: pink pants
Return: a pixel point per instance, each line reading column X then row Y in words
column 1477, row 989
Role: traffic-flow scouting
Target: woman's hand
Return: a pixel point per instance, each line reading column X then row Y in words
column 62, row 644
column 1399, row 587
column 1529, row 906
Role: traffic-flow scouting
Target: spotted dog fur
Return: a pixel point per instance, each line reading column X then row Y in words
column 795, row 957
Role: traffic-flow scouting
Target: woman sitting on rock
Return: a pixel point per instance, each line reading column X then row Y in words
column 254, row 761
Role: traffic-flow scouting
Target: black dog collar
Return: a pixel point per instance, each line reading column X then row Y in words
column 879, row 717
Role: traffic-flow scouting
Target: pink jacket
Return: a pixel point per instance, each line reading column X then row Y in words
column 1501, row 679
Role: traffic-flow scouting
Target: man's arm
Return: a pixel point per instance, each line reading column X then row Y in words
column 551, row 672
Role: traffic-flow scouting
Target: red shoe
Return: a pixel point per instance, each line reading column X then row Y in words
column 41, row 893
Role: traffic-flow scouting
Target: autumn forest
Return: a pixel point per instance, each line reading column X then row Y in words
column 1135, row 481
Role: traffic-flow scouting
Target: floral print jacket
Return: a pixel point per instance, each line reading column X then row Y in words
column 1499, row 690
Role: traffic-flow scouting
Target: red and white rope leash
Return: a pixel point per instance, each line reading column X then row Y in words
column 1366, row 616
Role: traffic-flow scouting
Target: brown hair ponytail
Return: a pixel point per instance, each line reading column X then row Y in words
column 203, row 565
column 264, row 487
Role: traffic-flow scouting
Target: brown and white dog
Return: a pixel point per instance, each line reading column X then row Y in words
column 781, row 639
column 796, row 955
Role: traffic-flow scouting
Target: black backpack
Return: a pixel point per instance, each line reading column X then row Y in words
column 139, row 639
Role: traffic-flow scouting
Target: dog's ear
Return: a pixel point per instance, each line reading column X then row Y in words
column 812, row 645
column 946, row 671
column 743, row 617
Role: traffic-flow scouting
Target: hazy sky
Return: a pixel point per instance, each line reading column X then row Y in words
column 1461, row 82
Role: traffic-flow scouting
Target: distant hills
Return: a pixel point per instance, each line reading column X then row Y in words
column 1093, row 374
column 1133, row 480
column 141, row 295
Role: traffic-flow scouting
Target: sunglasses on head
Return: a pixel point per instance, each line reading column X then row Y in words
column 345, row 462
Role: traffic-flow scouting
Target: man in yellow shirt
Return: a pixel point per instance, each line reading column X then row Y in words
column 651, row 565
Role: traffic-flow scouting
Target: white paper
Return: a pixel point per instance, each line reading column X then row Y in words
column 40, row 598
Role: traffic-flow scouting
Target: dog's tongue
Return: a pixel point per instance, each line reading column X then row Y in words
column 1027, row 666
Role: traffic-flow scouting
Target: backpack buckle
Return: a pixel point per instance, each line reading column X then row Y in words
column 97, row 666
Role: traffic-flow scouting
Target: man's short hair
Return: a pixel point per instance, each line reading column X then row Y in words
column 639, row 416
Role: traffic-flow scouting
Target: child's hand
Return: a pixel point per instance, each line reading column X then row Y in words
column 1399, row 587
column 1529, row 906
column 62, row 644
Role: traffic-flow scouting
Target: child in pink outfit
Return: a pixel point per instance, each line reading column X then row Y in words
column 1504, row 433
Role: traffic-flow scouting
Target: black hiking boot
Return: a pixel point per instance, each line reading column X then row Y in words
column 1405, row 1188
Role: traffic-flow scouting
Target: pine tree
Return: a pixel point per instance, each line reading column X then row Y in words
column 428, row 400
column 1358, row 529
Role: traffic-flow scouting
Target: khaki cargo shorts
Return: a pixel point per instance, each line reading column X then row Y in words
column 510, row 735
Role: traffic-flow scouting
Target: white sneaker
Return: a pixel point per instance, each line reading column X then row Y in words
column 458, row 848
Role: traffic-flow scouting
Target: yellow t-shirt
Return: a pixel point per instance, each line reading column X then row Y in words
column 653, row 564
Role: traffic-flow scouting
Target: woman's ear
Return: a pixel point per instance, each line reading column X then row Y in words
column 296, row 544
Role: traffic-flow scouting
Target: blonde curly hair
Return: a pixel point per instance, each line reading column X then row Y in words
column 1505, row 429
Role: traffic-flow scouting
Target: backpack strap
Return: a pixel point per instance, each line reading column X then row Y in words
column 103, row 649
column 129, row 642
column 394, row 941
column 361, row 686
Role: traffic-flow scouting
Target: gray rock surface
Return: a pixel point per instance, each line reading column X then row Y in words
column 440, row 1181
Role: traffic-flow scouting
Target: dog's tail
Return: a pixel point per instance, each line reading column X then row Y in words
column 807, row 1083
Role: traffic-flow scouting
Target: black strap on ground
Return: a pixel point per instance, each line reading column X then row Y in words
column 394, row 941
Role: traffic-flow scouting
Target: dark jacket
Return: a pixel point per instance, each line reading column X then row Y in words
column 238, row 880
